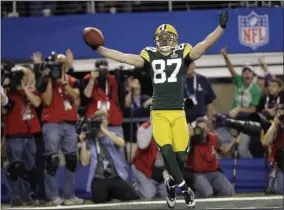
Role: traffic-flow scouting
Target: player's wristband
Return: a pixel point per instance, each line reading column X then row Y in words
column 224, row 26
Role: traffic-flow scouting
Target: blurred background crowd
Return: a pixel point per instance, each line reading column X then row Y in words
column 54, row 116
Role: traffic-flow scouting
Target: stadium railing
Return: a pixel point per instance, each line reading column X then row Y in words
column 46, row 8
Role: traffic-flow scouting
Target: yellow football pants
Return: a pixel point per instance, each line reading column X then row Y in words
column 170, row 127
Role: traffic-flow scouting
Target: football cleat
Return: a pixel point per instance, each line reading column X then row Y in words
column 189, row 198
column 171, row 194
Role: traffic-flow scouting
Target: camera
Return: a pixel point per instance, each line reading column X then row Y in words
column 260, row 118
column 247, row 127
column 14, row 73
column 91, row 127
column 198, row 135
column 189, row 103
column 52, row 64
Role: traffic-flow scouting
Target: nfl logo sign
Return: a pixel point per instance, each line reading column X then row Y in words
column 253, row 30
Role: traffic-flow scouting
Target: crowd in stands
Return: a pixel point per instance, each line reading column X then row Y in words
column 41, row 130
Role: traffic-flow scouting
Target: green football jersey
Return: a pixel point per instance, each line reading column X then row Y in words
column 168, row 73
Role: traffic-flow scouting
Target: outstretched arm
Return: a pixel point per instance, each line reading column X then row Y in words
column 131, row 59
column 198, row 50
column 228, row 62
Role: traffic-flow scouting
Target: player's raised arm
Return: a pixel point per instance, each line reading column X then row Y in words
column 198, row 50
column 94, row 38
column 135, row 60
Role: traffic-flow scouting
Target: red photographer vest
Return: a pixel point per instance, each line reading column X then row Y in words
column 203, row 158
column 56, row 112
column 114, row 113
column 22, row 119
column 278, row 142
column 144, row 160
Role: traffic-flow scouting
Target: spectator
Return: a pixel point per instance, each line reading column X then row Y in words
column 247, row 93
column 246, row 98
column 21, row 124
column 275, row 136
column 271, row 101
column 101, row 92
column 267, row 74
column 150, row 169
column 59, row 118
column 199, row 91
column 107, row 176
column 202, row 168
column 262, row 81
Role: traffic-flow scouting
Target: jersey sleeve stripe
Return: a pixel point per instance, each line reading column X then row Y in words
column 187, row 49
column 144, row 54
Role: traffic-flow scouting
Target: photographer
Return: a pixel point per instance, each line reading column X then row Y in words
column 4, row 98
column 275, row 137
column 21, row 123
column 107, row 174
column 202, row 168
column 136, row 105
column 59, row 118
column 253, row 127
column 199, row 96
column 150, row 171
column 100, row 92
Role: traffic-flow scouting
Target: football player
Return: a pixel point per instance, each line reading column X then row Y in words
column 168, row 63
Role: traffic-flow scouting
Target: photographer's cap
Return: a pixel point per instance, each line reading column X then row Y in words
column 100, row 63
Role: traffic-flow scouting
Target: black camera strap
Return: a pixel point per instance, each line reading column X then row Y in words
column 106, row 90
column 194, row 87
column 60, row 91
column 98, row 147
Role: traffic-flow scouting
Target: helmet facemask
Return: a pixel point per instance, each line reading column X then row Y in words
column 165, row 41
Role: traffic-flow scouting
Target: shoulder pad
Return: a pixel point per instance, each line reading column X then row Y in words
column 186, row 49
column 145, row 52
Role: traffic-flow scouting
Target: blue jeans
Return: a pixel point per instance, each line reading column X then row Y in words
column 20, row 149
column 39, row 162
column 208, row 184
column 56, row 135
column 278, row 184
column 118, row 130
column 149, row 188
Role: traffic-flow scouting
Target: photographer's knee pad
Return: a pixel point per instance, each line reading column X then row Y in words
column 71, row 161
column 51, row 164
column 15, row 170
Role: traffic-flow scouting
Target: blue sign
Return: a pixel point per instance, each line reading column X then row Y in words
column 248, row 31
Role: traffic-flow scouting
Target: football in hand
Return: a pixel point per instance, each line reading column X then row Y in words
column 93, row 37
